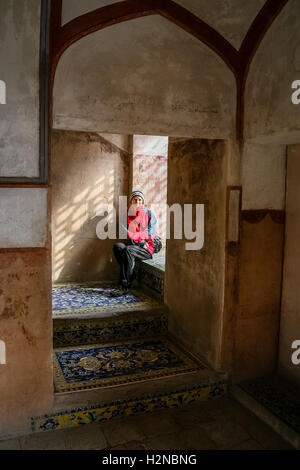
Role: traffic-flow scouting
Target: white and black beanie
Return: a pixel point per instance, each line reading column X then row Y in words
column 137, row 193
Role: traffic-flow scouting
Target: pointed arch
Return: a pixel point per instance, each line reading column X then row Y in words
column 237, row 60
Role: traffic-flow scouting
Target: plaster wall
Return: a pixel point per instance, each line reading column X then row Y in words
column 88, row 172
column 271, row 117
column 233, row 163
column 124, row 142
column 259, row 290
column 197, row 172
column 150, row 145
column 71, row 9
column 26, row 385
column 146, row 76
column 231, row 18
column 26, row 382
column 258, row 293
column 19, row 69
column 290, row 313
column 263, row 176
column 23, row 217
column 150, row 174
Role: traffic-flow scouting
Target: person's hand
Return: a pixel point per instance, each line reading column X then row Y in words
column 146, row 245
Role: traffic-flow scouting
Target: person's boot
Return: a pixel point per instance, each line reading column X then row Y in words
column 124, row 286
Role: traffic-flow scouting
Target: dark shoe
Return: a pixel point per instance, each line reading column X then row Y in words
column 124, row 286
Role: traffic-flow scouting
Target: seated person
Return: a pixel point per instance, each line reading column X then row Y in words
column 141, row 231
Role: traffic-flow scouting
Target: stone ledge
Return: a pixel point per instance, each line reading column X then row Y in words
column 151, row 278
column 208, row 389
column 285, row 431
column 76, row 331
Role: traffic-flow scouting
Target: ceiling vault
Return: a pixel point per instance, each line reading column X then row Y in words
column 61, row 37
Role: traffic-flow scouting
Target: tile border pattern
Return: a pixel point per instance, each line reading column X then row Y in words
column 76, row 332
column 151, row 276
column 122, row 408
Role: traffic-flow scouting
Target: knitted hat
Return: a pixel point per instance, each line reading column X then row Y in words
column 137, row 193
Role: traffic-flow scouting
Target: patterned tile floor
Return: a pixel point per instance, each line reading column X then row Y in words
column 90, row 367
column 96, row 299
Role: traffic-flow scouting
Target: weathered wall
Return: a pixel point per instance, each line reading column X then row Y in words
column 88, row 171
column 71, row 9
column 26, row 382
column 19, row 69
column 150, row 174
column 263, row 176
column 194, row 285
column 271, row 118
column 260, row 260
column 270, row 114
column 231, row 18
column 146, row 76
column 258, row 316
column 290, row 317
column 23, row 217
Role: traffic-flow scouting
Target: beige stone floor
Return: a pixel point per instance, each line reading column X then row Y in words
column 221, row 423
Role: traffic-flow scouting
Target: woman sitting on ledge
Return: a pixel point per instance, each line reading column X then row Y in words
column 142, row 240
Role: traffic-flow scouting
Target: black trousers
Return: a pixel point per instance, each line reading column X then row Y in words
column 125, row 255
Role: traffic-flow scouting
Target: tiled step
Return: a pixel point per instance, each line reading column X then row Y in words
column 80, row 331
column 274, row 402
column 151, row 276
column 76, row 321
column 83, row 407
column 141, row 392
column 127, row 361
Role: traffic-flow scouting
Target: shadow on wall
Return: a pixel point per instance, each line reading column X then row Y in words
column 77, row 254
column 150, row 175
column 87, row 173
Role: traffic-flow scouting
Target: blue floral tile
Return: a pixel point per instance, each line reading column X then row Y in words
column 97, row 367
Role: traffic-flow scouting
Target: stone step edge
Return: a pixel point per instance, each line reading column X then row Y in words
column 128, row 328
column 157, row 311
column 284, row 430
column 146, row 265
column 59, row 343
column 98, row 341
column 163, row 330
column 121, row 408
